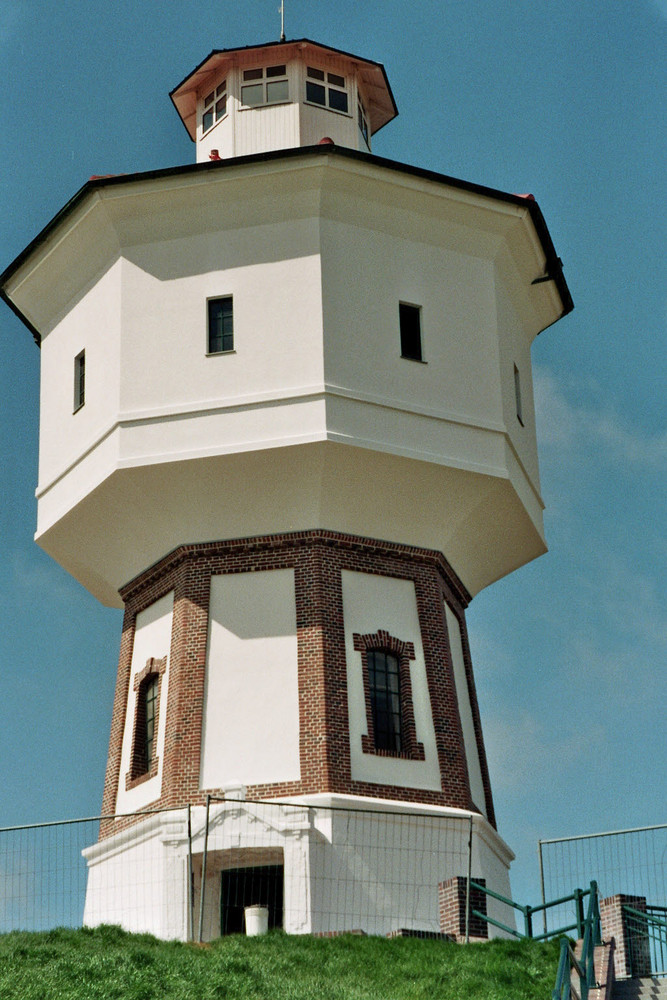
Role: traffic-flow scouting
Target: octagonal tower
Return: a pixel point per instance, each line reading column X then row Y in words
column 287, row 422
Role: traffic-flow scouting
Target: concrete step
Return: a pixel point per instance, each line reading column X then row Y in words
column 645, row 988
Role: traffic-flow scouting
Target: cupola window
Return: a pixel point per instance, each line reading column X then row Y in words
column 215, row 106
column 363, row 123
column 329, row 91
column 265, row 85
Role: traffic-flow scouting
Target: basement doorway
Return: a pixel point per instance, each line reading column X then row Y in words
column 261, row 885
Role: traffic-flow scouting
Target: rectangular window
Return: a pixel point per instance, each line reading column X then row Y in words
column 411, row 334
column 385, row 690
column 271, row 86
column 220, row 325
column 330, row 92
column 215, row 106
column 362, row 119
column 79, row 380
column 517, row 395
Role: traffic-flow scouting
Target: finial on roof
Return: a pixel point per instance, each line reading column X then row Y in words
column 282, row 20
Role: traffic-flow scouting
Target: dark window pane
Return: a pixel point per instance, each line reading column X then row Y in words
column 207, row 120
column 253, row 95
column 410, row 323
column 220, row 107
column 150, row 713
column 209, row 99
column 315, row 93
column 338, row 100
column 221, row 89
column 316, row 74
column 220, row 325
column 384, row 686
column 79, row 380
column 275, row 70
column 338, row 81
column 253, row 74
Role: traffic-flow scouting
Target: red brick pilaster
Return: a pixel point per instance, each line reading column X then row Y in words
column 632, row 955
column 452, row 909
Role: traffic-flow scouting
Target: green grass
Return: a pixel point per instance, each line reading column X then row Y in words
column 108, row 964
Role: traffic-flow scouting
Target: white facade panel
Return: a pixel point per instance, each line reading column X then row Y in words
column 465, row 711
column 367, row 864
column 371, row 603
column 250, row 731
column 277, row 324
column 91, row 325
column 152, row 638
column 362, row 289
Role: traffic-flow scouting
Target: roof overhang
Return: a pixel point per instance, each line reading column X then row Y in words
column 550, row 269
column 381, row 107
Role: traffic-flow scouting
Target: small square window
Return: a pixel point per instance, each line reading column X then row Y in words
column 411, row 334
column 220, row 325
column 79, row 380
column 330, row 93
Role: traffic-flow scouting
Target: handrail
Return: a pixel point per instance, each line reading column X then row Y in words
column 577, row 896
column 584, row 966
column 648, row 916
column 647, row 933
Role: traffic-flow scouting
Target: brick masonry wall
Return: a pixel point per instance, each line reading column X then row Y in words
column 452, row 909
column 317, row 558
column 630, row 948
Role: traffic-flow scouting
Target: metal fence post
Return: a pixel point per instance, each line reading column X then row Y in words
column 469, row 876
column 202, row 891
column 544, row 912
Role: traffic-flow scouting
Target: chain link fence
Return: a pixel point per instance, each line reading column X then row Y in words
column 192, row 873
column 632, row 862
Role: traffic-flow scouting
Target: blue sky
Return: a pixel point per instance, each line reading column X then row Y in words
column 564, row 100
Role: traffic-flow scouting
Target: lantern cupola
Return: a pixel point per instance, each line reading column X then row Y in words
column 285, row 94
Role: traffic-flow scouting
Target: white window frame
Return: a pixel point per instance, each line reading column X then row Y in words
column 326, row 80
column 209, row 104
column 265, row 82
column 362, row 122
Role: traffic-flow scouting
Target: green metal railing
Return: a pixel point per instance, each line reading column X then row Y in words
column 587, row 929
column 578, row 925
column 584, row 966
column 647, row 939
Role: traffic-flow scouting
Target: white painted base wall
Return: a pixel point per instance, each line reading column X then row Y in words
column 349, row 864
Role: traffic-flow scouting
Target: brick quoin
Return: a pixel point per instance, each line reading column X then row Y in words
column 317, row 558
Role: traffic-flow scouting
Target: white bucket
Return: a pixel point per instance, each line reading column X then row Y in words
column 256, row 920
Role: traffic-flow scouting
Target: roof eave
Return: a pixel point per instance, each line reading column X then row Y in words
column 553, row 263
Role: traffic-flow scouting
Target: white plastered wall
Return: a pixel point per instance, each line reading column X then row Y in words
column 371, row 603
column 152, row 639
column 251, row 704
column 465, row 711
column 92, row 324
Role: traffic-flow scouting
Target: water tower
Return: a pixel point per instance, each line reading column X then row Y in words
column 287, row 423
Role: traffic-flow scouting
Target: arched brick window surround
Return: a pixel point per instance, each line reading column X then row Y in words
column 404, row 652
column 138, row 772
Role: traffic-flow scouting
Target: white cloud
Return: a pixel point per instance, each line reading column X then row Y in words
column 566, row 426
column 660, row 6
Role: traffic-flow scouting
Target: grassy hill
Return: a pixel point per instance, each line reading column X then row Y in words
column 108, row 964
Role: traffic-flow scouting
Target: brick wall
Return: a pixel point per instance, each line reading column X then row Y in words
column 452, row 909
column 317, row 558
column 632, row 955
